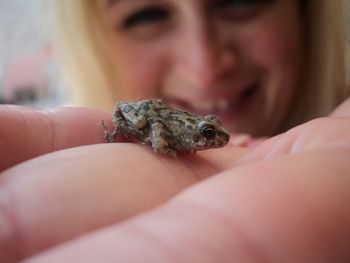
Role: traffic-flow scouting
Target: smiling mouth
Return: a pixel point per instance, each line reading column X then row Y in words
column 224, row 107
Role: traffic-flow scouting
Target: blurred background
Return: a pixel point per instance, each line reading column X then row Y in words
column 29, row 74
column 28, row 71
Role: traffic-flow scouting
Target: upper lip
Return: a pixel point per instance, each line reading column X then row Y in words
column 204, row 107
column 215, row 103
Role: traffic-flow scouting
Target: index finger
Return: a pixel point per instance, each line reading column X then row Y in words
column 27, row 133
column 290, row 209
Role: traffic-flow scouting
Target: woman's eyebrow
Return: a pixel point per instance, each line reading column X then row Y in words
column 111, row 3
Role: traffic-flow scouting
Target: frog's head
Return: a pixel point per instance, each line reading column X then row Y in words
column 208, row 133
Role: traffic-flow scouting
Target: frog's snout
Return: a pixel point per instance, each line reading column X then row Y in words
column 224, row 137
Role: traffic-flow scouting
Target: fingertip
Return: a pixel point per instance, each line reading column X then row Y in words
column 27, row 133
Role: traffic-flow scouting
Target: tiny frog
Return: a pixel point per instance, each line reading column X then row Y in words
column 167, row 130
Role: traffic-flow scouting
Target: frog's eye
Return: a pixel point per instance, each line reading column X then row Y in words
column 208, row 131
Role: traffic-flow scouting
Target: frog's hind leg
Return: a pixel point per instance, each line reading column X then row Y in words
column 119, row 124
column 117, row 118
column 126, row 115
column 109, row 136
column 159, row 133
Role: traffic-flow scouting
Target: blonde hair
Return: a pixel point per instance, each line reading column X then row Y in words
column 82, row 44
column 83, row 40
column 326, row 61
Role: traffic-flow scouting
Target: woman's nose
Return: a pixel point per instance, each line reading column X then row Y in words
column 204, row 56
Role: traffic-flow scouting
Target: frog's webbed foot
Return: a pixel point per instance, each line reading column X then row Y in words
column 109, row 136
column 159, row 133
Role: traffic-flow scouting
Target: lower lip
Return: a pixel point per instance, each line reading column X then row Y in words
column 236, row 110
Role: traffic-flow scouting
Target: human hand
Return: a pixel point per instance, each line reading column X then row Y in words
column 58, row 195
column 27, row 133
column 286, row 200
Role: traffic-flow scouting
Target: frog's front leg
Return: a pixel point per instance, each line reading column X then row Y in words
column 159, row 135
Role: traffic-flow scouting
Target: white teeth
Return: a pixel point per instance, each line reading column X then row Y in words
column 222, row 105
column 204, row 105
column 207, row 106
column 210, row 106
column 196, row 104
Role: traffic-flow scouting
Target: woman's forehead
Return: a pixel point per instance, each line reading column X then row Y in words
column 113, row 2
column 110, row 3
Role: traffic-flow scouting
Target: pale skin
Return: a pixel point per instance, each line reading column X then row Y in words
column 285, row 200
column 221, row 57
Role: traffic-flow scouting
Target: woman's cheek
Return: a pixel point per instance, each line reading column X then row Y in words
column 270, row 47
column 142, row 71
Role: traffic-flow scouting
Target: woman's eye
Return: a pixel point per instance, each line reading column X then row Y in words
column 144, row 17
column 241, row 10
column 240, row 3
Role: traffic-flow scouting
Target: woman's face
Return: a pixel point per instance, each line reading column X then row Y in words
column 237, row 59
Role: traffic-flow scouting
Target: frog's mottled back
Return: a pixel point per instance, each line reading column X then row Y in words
column 166, row 129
